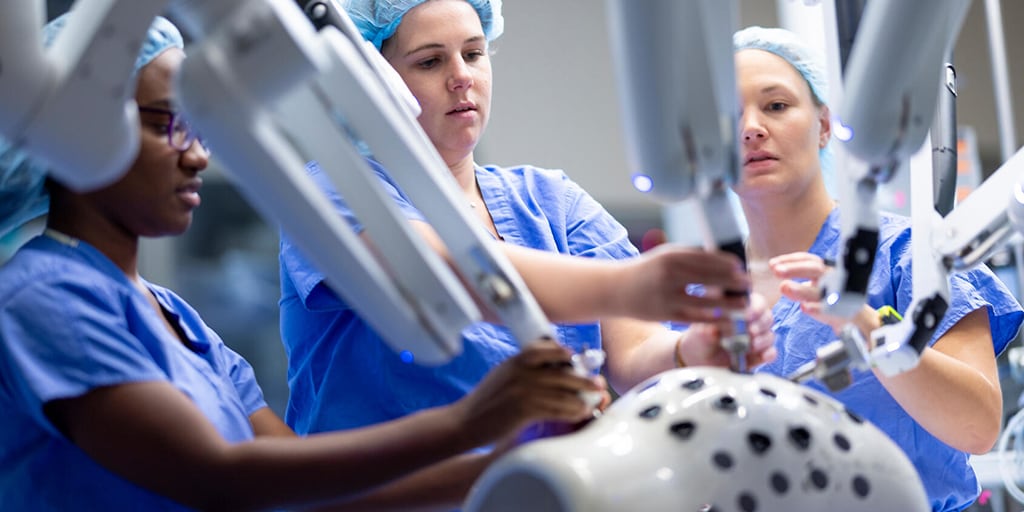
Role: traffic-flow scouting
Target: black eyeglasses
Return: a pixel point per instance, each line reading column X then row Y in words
column 179, row 133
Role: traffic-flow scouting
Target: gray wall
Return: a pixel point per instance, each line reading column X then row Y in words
column 555, row 103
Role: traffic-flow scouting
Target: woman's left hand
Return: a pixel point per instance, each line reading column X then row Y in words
column 801, row 273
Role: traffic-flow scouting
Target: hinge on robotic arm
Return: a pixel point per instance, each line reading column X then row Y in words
column 323, row 13
column 898, row 347
column 834, row 361
column 844, row 289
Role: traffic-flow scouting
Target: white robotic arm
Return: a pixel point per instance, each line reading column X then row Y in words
column 677, row 87
column 888, row 106
column 271, row 93
column 968, row 235
column 892, row 82
column 82, row 75
column 986, row 219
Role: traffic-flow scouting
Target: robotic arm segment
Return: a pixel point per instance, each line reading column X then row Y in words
column 382, row 103
column 90, row 59
column 309, row 115
column 901, row 88
column 675, row 70
column 898, row 347
column 327, row 13
column 227, row 96
column 980, row 224
column 844, row 290
column 915, row 37
column 334, row 89
column 198, row 18
column 944, row 146
column 674, row 62
column 26, row 73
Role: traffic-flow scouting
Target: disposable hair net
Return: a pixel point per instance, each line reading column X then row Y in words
column 377, row 20
column 805, row 59
column 23, row 193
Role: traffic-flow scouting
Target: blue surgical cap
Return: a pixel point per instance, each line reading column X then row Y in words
column 378, row 20
column 23, row 195
column 805, row 59
column 792, row 49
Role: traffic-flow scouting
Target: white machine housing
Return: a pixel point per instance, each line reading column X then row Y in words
column 709, row 439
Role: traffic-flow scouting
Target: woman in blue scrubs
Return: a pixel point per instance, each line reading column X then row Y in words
column 950, row 405
column 575, row 258
column 116, row 395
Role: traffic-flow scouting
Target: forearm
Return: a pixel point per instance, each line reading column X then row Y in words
column 283, row 471
column 954, row 391
column 952, row 400
column 153, row 435
column 569, row 289
column 443, row 486
column 636, row 350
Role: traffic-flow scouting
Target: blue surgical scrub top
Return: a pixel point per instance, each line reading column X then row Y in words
column 70, row 322
column 948, row 478
column 343, row 375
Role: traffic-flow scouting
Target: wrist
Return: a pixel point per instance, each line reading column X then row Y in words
column 616, row 285
column 677, row 351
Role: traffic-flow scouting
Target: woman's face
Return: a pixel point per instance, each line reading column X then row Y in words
column 161, row 188
column 781, row 128
column 440, row 52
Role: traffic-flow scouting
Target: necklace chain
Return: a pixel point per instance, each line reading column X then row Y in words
column 61, row 237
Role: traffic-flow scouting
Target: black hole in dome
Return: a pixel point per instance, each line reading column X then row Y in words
column 726, row 403
column 768, row 393
column 747, row 502
column 779, row 482
column 811, row 400
column 853, row 416
column 683, row 430
column 861, row 487
column 819, row 478
column 800, row 436
column 759, row 442
column 694, row 385
column 722, row 459
column 842, row 442
column 651, row 412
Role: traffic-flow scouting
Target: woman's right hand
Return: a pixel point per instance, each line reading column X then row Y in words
column 659, row 285
column 536, row 384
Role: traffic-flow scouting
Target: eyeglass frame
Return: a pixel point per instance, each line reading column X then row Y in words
column 177, row 120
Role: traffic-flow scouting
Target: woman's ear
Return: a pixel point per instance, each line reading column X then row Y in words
column 825, row 118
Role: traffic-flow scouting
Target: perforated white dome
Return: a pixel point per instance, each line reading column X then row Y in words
column 703, row 439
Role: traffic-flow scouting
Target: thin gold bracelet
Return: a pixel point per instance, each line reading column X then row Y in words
column 679, row 358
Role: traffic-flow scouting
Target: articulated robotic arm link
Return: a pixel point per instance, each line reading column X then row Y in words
column 891, row 82
column 267, row 122
column 677, row 85
column 82, row 76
